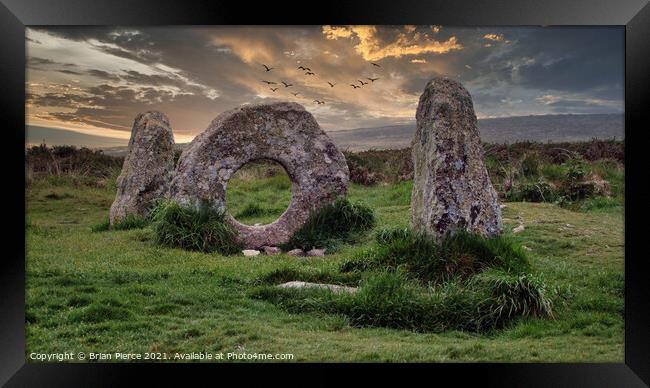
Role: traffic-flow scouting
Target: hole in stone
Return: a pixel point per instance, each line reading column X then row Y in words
column 259, row 192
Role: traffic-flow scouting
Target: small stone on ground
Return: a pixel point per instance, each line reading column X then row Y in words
column 518, row 229
column 296, row 252
column 332, row 287
column 250, row 252
column 272, row 251
column 316, row 252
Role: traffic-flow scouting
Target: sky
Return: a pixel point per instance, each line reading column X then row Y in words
column 95, row 80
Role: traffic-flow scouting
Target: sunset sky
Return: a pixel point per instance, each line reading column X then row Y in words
column 95, row 81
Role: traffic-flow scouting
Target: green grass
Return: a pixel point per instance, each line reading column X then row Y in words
column 119, row 290
column 410, row 281
column 489, row 301
column 333, row 224
column 259, row 192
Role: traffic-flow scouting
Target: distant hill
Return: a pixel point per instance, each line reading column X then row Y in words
column 542, row 128
column 54, row 136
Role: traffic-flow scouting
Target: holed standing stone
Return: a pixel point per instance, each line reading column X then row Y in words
column 451, row 186
column 283, row 132
column 148, row 167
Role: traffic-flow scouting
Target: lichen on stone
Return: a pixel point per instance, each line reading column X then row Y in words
column 451, row 186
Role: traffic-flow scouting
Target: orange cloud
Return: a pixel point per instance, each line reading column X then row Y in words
column 249, row 50
column 408, row 42
column 493, row 37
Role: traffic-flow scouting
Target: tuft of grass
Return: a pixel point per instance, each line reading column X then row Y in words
column 103, row 226
column 203, row 229
column 332, row 224
column 131, row 221
column 462, row 254
column 515, row 295
column 100, row 312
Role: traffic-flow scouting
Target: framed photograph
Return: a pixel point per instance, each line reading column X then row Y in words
column 451, row 188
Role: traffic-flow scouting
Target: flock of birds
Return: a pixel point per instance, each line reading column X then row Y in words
column 308, row 72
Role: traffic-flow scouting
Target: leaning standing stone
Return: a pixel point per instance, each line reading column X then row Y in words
column 148, row 166
column 451, row 186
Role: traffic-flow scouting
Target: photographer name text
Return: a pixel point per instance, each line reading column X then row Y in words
column 156, row 356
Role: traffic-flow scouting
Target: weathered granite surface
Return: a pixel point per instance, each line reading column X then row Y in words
column 332, row 287
column 148, row 166
column 284, row 132
column 451, row 186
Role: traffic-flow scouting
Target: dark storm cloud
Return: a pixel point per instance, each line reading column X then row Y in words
column 65, row 71
column 63, row 100
column 36, row 63
column 103, row 75
column 573, row 59
column 148, row 79
column 567, row 59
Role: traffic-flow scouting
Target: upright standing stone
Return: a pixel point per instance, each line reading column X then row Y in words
column 148, row 166
column 451, row 186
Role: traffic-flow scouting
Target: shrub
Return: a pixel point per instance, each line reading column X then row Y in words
column 424, row 259
column 539, row 191
column 553, row 172
column 44, row 161
column 577, row 169
column 530, row 165
column 203, row 229
column 332, row 224
column 361, row 175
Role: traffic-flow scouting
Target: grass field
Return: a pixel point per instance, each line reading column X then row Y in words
column 117, row 291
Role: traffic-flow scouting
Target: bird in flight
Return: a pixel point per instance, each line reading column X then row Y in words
column 331, row 84
column 310, row 73
column 304, row 68
column 269, row 82
column 372, row 79
column 362, row 83
column 267, row 68
column 355, row 86
column 286, row 85
column 273, row 89
column 319, row 102
column 374, row 64
column 295, row 94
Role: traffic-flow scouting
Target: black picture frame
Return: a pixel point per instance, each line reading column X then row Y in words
column 15, row 15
